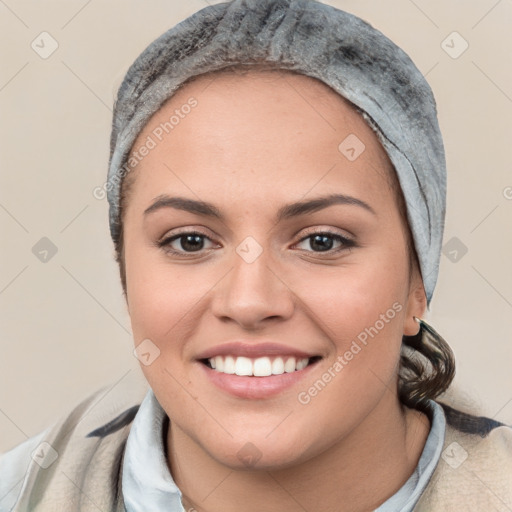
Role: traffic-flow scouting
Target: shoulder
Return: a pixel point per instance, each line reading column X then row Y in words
column 78, row 456
column 13, row 466
column 475, row 468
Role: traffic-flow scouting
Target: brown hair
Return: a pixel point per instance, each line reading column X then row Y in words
column 427, row 364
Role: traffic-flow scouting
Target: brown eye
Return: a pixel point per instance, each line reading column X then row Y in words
column 324, row 241
column 183, row 243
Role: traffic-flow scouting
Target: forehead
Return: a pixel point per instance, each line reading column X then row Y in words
column 306, row 94
column 262, row 118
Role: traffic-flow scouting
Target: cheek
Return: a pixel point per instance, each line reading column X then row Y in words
column 360, row 310
column 165, row 308
column 168, row 306
column 349, row 298
column 362, row 315
column 161, row 298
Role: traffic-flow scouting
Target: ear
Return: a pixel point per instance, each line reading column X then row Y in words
column 416, row 305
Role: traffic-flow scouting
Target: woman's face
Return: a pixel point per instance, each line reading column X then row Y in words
column 253, row 268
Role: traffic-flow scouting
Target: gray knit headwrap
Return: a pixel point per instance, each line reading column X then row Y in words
column 318, row 40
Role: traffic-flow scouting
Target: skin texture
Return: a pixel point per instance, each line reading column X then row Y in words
column 252, row 144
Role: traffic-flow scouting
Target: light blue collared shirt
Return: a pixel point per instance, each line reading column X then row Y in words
column 147, row 483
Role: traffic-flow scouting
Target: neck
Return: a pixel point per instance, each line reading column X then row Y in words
column 357, row 474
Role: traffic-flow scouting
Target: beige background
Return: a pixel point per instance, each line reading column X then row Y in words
column 64, row 328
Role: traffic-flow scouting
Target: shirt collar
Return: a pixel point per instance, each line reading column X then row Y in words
column 147, row 482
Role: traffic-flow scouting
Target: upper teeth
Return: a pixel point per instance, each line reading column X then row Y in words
column 260, row 367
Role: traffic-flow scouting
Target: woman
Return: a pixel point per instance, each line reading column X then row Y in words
column 277, row 197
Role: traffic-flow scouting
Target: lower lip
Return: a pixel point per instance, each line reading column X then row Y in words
column 255, row 387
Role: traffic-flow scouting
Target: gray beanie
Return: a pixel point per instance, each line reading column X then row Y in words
column 317, row 40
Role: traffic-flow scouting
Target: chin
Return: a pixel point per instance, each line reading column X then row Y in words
column 258, row 452
column 251, row 458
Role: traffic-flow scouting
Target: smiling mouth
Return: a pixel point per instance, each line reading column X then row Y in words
column 258, row 367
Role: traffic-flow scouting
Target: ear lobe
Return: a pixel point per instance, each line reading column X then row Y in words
column 416, row 306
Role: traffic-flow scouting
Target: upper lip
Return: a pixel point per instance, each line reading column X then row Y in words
column 253, row 350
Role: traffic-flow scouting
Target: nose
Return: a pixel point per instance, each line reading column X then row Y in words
column 253, row 293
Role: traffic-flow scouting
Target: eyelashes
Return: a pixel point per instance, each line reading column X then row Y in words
column 321, row 236
column 194, row 238
column 194, row 235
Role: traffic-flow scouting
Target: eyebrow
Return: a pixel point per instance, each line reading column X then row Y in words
column 285, row 212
